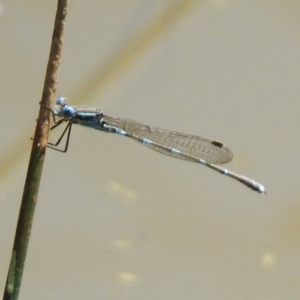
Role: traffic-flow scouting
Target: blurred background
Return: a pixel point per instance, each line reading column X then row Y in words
column 115, row 220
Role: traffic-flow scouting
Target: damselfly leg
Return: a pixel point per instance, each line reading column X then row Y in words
column 67, row 130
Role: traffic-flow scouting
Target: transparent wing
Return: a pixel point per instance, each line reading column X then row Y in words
column 188, row 145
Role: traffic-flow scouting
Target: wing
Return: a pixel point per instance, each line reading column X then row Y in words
column 165, row 141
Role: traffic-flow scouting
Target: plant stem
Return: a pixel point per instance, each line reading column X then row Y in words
column 29, row 199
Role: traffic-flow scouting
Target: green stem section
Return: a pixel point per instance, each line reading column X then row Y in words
column 29, row 199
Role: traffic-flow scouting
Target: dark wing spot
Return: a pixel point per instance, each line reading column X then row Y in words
column 218, row 144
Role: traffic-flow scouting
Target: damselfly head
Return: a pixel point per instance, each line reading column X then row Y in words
column 62, row 109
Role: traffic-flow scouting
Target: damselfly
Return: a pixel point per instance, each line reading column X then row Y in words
column 179, row 145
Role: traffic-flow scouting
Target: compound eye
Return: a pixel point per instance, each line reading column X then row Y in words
column 68, row 111
column 61, row 101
